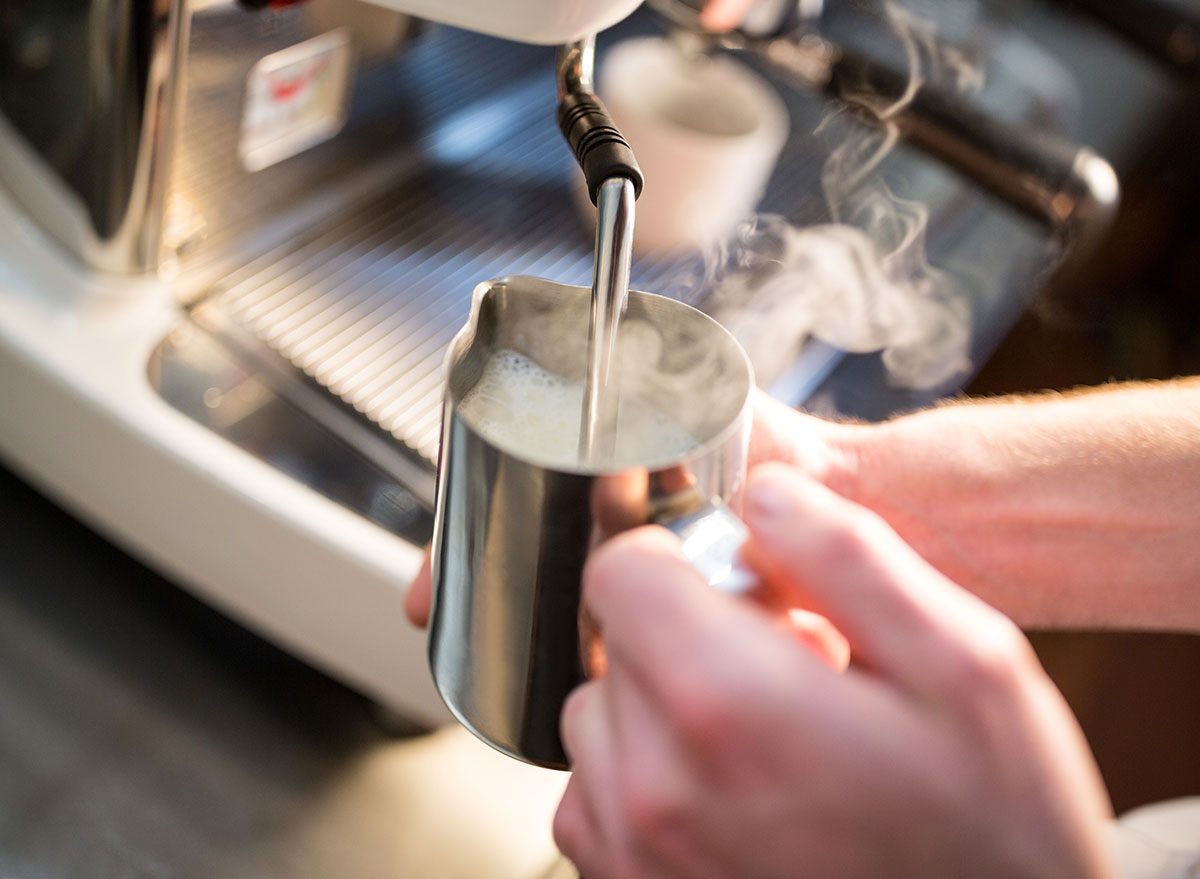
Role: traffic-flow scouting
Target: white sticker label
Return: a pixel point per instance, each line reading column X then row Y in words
column 295, row 99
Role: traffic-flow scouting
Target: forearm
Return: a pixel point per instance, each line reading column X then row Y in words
column 1061, row 510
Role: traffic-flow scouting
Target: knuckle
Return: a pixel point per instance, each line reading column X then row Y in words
column 598, row 571
column 568, row 830
column 607, row 568
column 574, row 714
column 655, row 815
column 577, row 704
column 846, row 541
column 698, row 711
column 997, row 661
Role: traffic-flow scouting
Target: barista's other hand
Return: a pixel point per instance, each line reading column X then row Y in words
column 715, row 746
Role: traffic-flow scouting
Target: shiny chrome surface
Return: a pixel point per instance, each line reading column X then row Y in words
column 222, row 388
column 615, row 209
column 711, row 538
column 610, row 292
column 323, row 412
column 511, row 536
column 89, row 100
column 222, row 215
column 574, row 66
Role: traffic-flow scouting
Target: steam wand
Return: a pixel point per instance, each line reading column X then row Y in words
column 614, row 183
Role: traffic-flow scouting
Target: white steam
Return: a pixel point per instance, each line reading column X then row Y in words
column 861, row 282
column 832, row 282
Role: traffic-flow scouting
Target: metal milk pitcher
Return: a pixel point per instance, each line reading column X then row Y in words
column 512, row 533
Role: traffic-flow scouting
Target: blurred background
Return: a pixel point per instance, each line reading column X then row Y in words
column 1133, row 312
column 143, row 731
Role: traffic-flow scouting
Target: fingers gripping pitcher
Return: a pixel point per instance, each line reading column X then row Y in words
column 518, row 510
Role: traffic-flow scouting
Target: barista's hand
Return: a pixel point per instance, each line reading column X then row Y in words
column 780, row 433
column 714, row 746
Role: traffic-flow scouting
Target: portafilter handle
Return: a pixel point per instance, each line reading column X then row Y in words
column 1065, row 185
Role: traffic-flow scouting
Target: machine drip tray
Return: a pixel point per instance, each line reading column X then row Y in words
column 335, row 455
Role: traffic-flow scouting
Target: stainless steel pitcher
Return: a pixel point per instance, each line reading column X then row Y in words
column 512, row 533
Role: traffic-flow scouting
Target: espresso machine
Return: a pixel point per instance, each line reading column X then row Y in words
column 237, row 238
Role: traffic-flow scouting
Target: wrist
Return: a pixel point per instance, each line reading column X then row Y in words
column 847, row 450
column 911, row 472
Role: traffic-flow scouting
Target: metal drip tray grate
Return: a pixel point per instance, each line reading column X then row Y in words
column 367, row 305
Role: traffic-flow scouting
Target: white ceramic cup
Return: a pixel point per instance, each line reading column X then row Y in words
column 707, row 132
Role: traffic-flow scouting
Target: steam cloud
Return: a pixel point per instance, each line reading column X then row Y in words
column 860, row 282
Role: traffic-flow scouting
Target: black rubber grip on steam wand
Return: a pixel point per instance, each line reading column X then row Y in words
column 600, row 149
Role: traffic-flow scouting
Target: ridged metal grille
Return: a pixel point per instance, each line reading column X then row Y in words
column 368, row 305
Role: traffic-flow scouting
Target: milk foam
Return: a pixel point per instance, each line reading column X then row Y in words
column 521, row 408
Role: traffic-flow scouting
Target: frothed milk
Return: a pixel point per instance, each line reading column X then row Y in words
column 520, row 407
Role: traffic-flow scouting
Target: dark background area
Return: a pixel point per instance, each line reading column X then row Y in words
column 1131, row 312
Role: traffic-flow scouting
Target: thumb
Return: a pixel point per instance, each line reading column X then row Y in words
column 842, row 561
column 821, row 449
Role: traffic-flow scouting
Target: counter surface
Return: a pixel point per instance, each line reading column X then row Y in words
column 143, row 734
